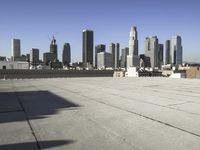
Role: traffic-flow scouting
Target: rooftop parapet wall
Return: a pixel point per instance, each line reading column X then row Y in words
column 23, row 74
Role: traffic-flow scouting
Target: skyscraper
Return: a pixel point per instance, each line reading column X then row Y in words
column 167, row 52
column 16, row 49
column 88, row 41
column 34, row 56
column 133, row 58
column 133, row 42
column 53, row 48
column 117, row 47
column 151, row 51
column 160, row 55
column 176, row 50
column 124, row 54
column 114, row 50
column 66, row 56
column 99, row 48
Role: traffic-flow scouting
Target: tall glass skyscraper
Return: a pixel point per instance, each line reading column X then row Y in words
column 167, row 52
column 16, row 48
column 117, row 47
column 88, row 42
column 176, row 50
column 66, row 56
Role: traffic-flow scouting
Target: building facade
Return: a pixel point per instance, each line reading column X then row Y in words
column 48, row 58
column 99, row 48
column 54, row 48
column 114, row 50
column 151, row 51
column 2, row 58
column 167, row 52
column 160, row 56
column 116, row 61
column 133, row 41
column 14, row 65
column 87, row 50
column 34, row 56
column 16, row 49
column 176, row 50
column 133, row 58
column 104, row 60
column 66, row 55
column 124, row 55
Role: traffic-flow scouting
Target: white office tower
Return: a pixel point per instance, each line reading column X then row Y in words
column 104, row 60
column 176, row 50
column 16, row 50
column 133, row 58
column 133, row 42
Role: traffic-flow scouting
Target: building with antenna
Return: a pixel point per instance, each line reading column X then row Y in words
column 53, row 48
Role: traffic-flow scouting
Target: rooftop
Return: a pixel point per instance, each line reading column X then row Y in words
column 100, row 113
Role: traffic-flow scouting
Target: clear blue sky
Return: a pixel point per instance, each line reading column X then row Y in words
column 33, row 21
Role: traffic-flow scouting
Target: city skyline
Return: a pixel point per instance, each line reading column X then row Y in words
column 67, row 20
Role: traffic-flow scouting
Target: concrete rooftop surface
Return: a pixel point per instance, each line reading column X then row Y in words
column 100, row 114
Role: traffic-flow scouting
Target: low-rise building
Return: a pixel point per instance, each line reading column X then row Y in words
column 193, row 73
column 104, row 60
column 14, row 65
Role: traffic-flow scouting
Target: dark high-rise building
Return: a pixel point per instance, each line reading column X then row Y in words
column 114, row 50
column 99, row 48
column 16, row 49
column 53, row 48
column 48, row 58
column 2, row 58
column 34, row 56
column 167, row 52
column 176, row 50
column 160, row 55
column 66, row 56
column 124, row 55
column 88, row 42
column 117, row 47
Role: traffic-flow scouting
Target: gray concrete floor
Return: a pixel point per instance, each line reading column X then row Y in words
column 100, row 114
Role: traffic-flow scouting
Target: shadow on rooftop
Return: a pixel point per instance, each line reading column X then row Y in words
column 34, row 146
column 32, row 105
